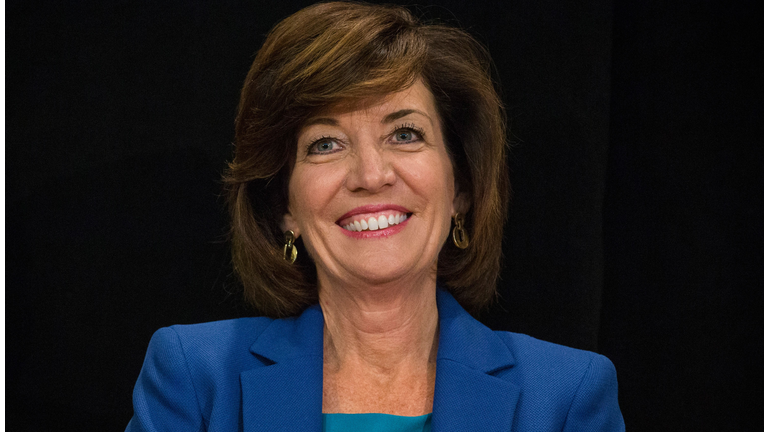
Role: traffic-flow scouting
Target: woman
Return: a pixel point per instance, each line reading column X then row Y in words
column 367, row 194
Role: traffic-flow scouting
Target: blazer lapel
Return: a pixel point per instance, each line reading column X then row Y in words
column 286, row 393
column 467, row 394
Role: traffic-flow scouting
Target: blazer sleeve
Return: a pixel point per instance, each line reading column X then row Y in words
column 595, row 406
column 164, row 398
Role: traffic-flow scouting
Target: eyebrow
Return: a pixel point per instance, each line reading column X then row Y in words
column 389, row 118
column 322, row 121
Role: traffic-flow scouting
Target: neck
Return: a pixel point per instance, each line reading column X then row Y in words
column 383, row 328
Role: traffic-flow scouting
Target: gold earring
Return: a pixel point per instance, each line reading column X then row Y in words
column 289, row 249
column 460, row 236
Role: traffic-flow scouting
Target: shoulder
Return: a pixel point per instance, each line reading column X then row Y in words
column 216, row 334
column 577, row 387
column 190, row 372
column 530, row 352
column 204, row 345
column 545, row 362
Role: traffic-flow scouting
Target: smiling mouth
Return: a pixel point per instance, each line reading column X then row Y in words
column 375, row 222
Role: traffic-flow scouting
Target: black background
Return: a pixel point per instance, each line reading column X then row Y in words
column 635, row 226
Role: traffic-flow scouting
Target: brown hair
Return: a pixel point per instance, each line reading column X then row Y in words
column 332, row 53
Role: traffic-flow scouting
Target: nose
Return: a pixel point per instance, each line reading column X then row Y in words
column 371, row 169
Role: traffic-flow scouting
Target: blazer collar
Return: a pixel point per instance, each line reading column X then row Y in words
column 286, row 393
column 468, row 394
column 465, row 340
column 288, row 338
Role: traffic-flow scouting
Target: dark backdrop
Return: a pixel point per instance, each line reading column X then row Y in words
column 635, row 225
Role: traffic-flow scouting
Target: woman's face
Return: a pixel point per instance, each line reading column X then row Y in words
column 372, row 190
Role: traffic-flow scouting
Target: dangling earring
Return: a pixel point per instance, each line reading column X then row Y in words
column 460, row 236
column 289, row 249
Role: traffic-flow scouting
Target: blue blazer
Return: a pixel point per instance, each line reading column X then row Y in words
column 261, row 374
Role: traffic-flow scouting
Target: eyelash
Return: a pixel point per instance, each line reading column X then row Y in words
column 318, row 141
column 410, row 127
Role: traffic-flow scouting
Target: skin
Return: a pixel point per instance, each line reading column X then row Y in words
column 377, row 294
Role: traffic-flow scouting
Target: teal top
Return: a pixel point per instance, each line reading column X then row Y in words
column 376, row 423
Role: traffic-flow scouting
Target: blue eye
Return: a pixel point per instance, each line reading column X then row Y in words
column 407, row 133
column 323, row 145
column 404, row 135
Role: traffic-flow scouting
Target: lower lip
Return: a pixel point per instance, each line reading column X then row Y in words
column 386, row 232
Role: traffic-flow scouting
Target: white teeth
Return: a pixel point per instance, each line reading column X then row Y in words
column 373, row 223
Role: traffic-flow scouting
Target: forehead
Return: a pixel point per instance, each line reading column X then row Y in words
column 384, row 108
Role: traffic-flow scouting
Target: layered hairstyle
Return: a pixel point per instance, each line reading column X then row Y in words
column 337, row 53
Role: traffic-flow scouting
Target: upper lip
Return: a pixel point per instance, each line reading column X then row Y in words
column 373, row 208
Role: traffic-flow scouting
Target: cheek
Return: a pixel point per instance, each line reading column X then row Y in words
column 447, row 188
column 433, row 183
column 435, row 178
column 310, row 192
column 301, row 205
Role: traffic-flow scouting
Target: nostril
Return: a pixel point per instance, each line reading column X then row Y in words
column 371, row 172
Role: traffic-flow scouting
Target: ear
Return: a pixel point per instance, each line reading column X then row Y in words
column 289, row 223
column 460, row 203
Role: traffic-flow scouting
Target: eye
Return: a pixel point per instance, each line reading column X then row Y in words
column 404, row 135
column 323, row 145
column 407, row 134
